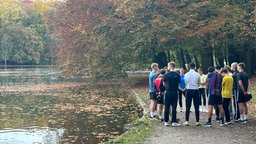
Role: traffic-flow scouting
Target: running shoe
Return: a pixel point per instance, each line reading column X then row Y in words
column 227, row 123
column 166, row 123
column 208, row 124
column 200, row 108
column 186, row 123
column 175, row 124
column 205, row 110
column 217, row 120
column 237, row 120
column 153, row 118
column 241, row 121
column 222, row 124
column 181, row 109
column 245, row 121
column 198, row 124
column 160, row 118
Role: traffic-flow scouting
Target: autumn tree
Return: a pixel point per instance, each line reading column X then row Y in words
column 39, row 17
column 94, row 39
column 19, row 44
column 114, row 36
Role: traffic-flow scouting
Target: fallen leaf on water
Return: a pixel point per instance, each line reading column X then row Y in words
column 114, row 133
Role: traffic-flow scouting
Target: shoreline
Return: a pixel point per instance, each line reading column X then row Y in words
column 26, row 66
column 142, row 127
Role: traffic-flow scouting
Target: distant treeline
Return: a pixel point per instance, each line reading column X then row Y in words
column 26, row 35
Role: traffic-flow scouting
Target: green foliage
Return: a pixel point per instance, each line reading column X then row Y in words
column 24, row 33
column 22, row 45
column 19, row 44
column 10, row 13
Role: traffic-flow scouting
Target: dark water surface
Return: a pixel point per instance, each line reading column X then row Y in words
column 68, row 115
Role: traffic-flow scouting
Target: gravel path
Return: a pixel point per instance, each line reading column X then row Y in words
column 236, row 133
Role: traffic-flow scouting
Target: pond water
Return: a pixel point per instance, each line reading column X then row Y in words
column 29, row 76
column 60, row 115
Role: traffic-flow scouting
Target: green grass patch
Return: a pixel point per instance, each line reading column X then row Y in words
column 144, row 97
column 253, row 92
column 141, row 129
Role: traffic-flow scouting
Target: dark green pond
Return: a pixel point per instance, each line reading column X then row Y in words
column 63, row 115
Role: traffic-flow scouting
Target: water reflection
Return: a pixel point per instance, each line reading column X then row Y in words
column 68, row 115
column 31, row 135
column 28, row 76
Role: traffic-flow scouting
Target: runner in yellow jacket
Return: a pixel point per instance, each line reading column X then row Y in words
column 227, row 85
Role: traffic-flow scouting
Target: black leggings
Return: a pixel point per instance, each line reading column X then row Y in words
column 192, row 95
column 202, row 95
column 236, row 108
column 170, row 99
column 226, row 102
column 180, row 97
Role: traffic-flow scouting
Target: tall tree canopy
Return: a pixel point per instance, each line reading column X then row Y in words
column 19, row 44
column 106, row 37
column 24, row 34
column 93, row 37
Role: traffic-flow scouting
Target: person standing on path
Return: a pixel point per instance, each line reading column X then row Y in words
column 217, row 111
column 235, row 92
column 227, row 85
column 152, row 90
column 160, row 94
column 171, row 81
column 182, row 87
column 230, row 105
column 192, row 81
column 215, row 98
column 243, row 88
column 202, row 88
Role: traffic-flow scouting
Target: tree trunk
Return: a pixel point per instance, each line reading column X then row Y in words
column 233, row 54
column 253, row 65
column 168, row 56
column 180, row 57
column 187, row 56
column 248, row 59
column 226, row 55
column 219, row 56
column 196, row 61
column 206, row 58
column 161, row 59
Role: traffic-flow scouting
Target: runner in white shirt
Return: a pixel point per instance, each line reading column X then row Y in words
column 192, row 80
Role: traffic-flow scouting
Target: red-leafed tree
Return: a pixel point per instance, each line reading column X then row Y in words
column 93, row 38
column 107, row 37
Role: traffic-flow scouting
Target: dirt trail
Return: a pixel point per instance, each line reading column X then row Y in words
column 236, row 133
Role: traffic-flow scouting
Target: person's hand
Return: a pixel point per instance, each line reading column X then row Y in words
column 245, row 93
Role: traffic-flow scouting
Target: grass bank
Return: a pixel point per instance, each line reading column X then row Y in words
column 140, row 128
column 253, row 92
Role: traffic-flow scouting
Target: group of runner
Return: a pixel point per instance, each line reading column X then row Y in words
column 219, row 87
